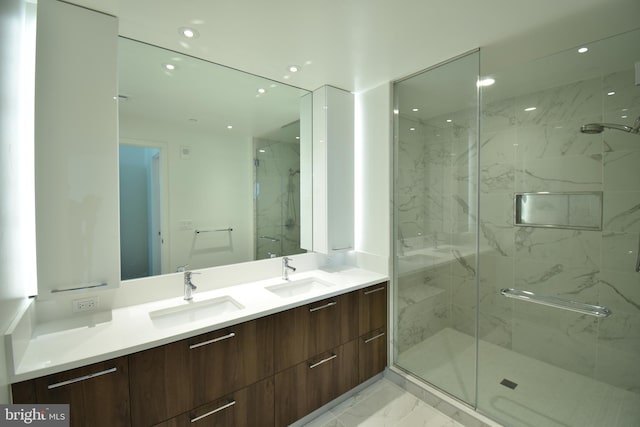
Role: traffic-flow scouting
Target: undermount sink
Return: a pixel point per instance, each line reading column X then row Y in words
column 187, row 312
column 298, row 287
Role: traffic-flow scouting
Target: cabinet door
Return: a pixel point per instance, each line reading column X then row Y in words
column 315, row 382
column 373, row 308
column 98, row 394
column 169, row 380
column 372, row 354
column 314, row 328
column 333, row 170
column 249, row 407
column 76, row 148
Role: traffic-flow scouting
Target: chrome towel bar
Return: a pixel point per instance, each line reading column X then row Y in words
column 561, row 303
column 79, row 288
column 214, row 230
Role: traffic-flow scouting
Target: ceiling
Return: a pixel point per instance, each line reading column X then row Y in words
column 359, row 44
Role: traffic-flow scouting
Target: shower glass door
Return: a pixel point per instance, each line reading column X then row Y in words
column 435, row 225
column 546, row 365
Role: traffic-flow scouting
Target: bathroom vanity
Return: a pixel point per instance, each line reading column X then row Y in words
column 270, row 367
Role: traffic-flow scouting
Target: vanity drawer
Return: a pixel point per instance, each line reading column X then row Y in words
column 373, row 307
column 307, row 386
column 314, row 328
column 172, row 379
column 97, row 394
column 249, row 407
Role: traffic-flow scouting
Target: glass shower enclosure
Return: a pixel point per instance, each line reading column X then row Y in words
column 517, row 228
column 277, row 192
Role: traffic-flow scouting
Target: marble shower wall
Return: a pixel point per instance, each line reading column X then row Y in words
column 543, row 150
column 277, row 198
column 436, row 184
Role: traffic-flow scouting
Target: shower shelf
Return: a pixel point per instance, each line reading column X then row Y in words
column 551, row 301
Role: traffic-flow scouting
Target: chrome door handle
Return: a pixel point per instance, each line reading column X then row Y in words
column 374, row 290
column 223, row 407
column 367, row 341
column 333, row 356
column 224, row 337
column 331, row 304
column 82, row 378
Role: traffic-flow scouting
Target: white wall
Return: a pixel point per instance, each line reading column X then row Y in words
column 17, row 262
column 211, row 188
column 373, row 170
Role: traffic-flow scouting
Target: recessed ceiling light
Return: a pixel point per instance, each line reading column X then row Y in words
column 273, row 85
column 294, row 68
column 449, row 120
column 396, row 111
column 229, row 127
column 297, row 137
column 530, row 109
column 262, row 90
column 412, row 128
column 286, row 77
column 624, row 117
column 262, row 151
column 169, row 67
column 415, row 110
column 611, row 93
column 583, row 50
column 188, row 32
column 485, row 82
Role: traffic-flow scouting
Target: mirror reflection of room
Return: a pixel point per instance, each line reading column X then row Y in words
column 209, row 163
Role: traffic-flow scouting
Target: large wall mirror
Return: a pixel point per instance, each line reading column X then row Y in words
column 211, row 171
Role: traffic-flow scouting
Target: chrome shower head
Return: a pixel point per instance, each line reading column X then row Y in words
column 592, row 128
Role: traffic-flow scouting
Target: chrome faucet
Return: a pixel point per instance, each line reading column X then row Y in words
column 286, row 267
column 188, row 286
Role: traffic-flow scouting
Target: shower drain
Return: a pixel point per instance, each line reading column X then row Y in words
column 507, row 383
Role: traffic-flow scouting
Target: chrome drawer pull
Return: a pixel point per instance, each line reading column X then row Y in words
column 367, row 341
column 82, row 378
column 331, row 304
column 374, row 290
column 323, row 361
column 200, row 344
column 228, row 405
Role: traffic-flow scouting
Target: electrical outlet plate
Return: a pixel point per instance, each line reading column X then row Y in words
column 86, row 304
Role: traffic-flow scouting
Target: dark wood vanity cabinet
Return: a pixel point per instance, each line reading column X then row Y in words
column 372, row 330
column 175, row 378
column 307, row 386
column 98, row 394
column 303, row 332
column 270, row 371
column 251, row 406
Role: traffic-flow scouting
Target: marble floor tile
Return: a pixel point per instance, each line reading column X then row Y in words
column 383, row 404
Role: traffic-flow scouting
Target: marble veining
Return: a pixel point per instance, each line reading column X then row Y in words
column 384, row 404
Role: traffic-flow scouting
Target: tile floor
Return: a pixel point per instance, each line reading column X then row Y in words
column 383, row 404
column 545, row 395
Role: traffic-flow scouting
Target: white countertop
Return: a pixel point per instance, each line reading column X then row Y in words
column 61, row 345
